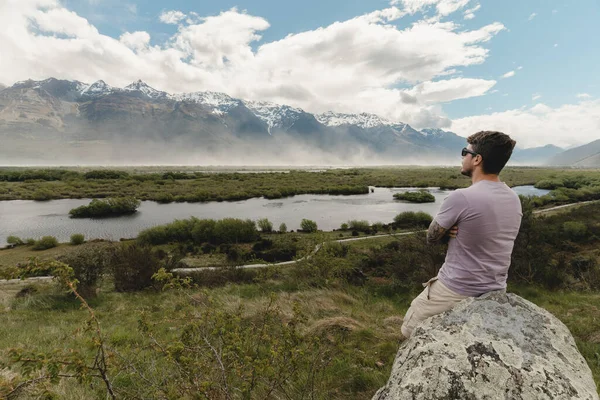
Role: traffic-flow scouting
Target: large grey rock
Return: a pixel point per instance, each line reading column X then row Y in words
column 498, row 346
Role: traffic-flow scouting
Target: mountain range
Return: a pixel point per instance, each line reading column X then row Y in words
column 70, row 122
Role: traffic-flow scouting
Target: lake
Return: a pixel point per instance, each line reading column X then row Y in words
column 25, row 218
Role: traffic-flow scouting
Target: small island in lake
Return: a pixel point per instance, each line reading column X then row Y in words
column 421, row 196
column 106, row 208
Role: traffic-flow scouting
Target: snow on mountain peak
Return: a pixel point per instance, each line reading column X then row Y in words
column 363, row 120
column 274, row 115
column 144, row 88
column 432, row 132
column 219, row 102
column 98, row 88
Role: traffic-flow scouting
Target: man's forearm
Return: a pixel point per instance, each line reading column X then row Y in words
column 435, row 233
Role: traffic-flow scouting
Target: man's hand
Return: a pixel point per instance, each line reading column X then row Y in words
column 438, row 234
column 453, row 232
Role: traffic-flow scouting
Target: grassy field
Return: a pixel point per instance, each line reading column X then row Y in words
column 359, row 330
column 325, row 328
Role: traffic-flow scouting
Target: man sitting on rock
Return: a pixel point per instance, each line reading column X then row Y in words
column 481, row 222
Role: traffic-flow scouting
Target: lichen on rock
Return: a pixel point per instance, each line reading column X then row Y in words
column 496, row 346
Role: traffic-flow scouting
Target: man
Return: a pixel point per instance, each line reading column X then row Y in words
column 482, row 222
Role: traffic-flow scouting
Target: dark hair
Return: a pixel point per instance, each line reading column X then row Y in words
column 495, row 149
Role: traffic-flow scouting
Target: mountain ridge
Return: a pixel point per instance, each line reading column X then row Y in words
column 74, row 112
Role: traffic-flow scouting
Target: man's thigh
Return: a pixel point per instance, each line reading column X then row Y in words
column 434, row 299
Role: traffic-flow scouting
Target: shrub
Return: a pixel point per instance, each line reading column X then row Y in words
column 106, row 208
column 233, row 230
column 42, row 195
column 132, row 266
column 47, row 242
column 575, row 230
column 88, row 264
column 308, row 226
column 265, row 225
column 282, row 228
column 422, row 196
column 228, row 230
column 14, row 241
column 344, row 226
column 30, row 241
column 164, row 198
column 411, row 219
column 360, row 226
column 77, row 239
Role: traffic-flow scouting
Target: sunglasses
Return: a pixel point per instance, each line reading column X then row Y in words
column 466, row 151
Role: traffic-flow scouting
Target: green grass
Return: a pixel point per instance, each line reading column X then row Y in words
column 364, row 327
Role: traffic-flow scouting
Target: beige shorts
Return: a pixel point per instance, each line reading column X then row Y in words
column 434, row 299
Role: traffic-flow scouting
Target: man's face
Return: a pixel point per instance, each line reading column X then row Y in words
column 467, row 163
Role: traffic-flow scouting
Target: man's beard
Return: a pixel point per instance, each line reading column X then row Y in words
column 468, row 172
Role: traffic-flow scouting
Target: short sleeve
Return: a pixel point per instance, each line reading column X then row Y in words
column 453, row 209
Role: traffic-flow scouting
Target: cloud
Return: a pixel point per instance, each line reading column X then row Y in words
column 470, row 13
column 135, row 40
column 567, row 125
column 443, row 7
column 448, row 90
column 349, row 66
column 555, row 44
column 509, row 74
column 519, row 68
column 171, row 17
column 583, row 96
column 536, row 96
column 532, row 16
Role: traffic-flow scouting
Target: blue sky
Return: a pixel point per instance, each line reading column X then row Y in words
column 549, row 49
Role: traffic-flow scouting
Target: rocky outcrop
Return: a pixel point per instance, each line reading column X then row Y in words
column 498, row 346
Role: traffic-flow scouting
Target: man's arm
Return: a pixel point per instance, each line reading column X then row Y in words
column 436, row 233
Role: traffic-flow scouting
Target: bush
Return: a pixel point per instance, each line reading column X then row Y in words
column 88, row 264
column 47, row 242
column 344, row 226
column 14, row 241
column 308, row 226
column 132, row 266
column 106, row 208
column 77, row 239
column 42, row 195
column 360, row 226
column 411, row 219
column 30, row 241
column 575, row 230
column 422, row 196
column 265, row 225
column 228, row 230
column 282, row 228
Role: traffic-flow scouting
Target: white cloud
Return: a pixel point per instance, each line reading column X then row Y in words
column 567, row 125
column 443, row 7
column 348, row 66
column 470, row 13
column 519, row 68
column 509, row 74
column 532, row 16
column 555, row 44
column 135, row 40
column 448, row 90
column 554, row 11
column 583, row 96
column 171, row 17
column 536, row 96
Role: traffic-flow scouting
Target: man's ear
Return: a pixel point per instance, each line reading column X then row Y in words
column 478, row 160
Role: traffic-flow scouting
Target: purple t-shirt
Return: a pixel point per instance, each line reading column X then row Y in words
column 488, row 215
